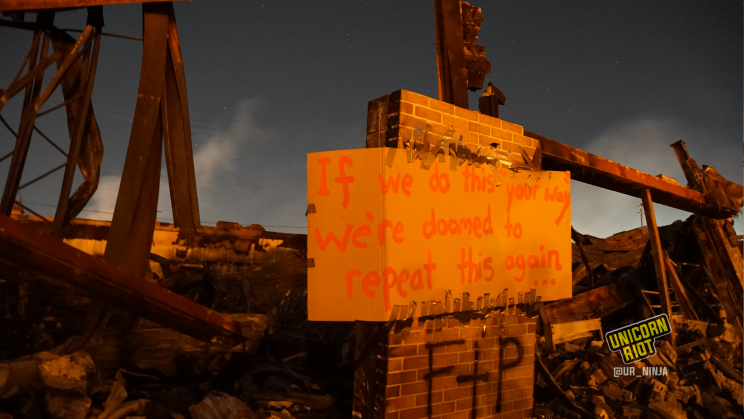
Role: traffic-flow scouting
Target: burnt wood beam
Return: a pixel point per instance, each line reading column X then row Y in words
column 598, row 171
column 65, row 266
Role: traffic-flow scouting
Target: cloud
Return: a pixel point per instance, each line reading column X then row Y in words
column 101, row 205
column 216, row 157
column 642, row 144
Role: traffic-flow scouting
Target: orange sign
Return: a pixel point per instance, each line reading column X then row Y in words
column 386, row 232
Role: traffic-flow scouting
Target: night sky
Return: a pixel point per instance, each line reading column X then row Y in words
column 269, row 82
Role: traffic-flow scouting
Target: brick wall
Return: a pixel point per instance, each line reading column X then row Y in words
column 427, row 365
column 392, row 119
column 441, row 356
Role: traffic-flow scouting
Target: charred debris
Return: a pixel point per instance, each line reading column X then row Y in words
column 135, row 318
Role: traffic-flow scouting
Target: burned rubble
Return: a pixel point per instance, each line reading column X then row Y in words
column 53, row 365
column 135, row 318
column 698, row 376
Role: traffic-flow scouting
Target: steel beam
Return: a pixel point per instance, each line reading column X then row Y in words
column 598, row 171
column 179, row 157
column 63, row 265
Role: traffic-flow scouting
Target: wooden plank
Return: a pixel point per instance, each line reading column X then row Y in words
column 598, row 171
column 65, row 266
column 563, row 332
column 679, row 290
column 729, row 297
column 656, row 253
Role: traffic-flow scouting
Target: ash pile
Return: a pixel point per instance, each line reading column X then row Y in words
column 695, row 372
column 63, row 357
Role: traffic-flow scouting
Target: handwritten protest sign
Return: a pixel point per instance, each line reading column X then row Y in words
column 385, row 231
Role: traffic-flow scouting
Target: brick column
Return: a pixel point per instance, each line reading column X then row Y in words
column 427, row 367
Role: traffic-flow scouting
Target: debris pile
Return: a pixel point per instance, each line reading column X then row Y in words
column 697, row 375
column 59, row 359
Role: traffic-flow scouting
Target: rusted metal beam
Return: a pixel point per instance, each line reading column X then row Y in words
column 17, row 5
column 68, row 267
column 95, row 15
column 598, row 171
column 179, row 157
column 133, row 222
column 658, row 256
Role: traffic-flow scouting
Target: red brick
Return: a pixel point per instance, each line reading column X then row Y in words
column 406, row 107
column 463, row 404
column 401, row 351
column 461, row 369
column 471, row 332
column 423, row 399
column 527, row 339
column 516, row 329
column 415, row 336
column 486, row 366
column 415, row 362
column 445, row 335
column 467, row 357
column 415, row 413
column 426, row 113
column 486, row 343
column 457, row 123
column 529, row 349
column 444, row 360
column 483, row 411
column 393, row 391
column 493, row 331
column 457, row 415
column 442, row 408
column 508, row 385
column 414, row 388
column 528, row 412
column 411, row 121
column 484, row 388
column 524, row 382
column 516, row 414
column 513, row 373
column 417, row 98
column 511, row 395
column 489, row 399
column 457, row 393
column 460, row 347
column 400, row 403
column 501, row 135
column 506, row 407
column 523, row 403
column 442, row 106
column 420, row 374
column 510, row 352
column 401, row 377
column 395, row 339
column 444, row 383
column 532, row 327
column 521, row 139
column 512, row 127
column 423, row 350
column 487, row 140
column 395, row 364
column 489, row 354
column 391, row 415
column 466, row 113
column 479, row 128
column 489, row 120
